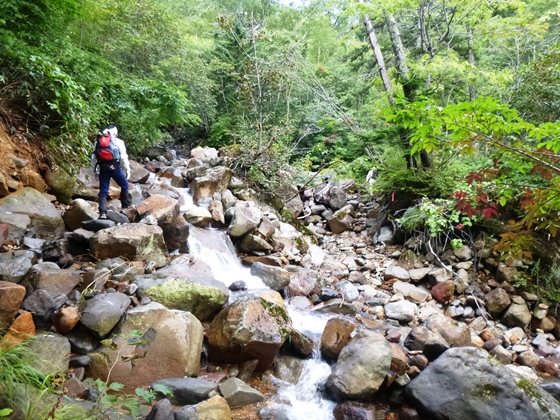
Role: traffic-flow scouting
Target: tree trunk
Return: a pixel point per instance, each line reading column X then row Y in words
column 472, row 88
column 379, row 58
column 398, row 48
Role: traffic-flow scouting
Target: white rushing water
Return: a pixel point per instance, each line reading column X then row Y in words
column 306, row 400
column 215, row 248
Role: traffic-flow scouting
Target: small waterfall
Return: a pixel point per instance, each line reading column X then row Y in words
column 215, row 248
column 306, row 401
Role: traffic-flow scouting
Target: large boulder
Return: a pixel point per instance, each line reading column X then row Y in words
column 134, row 241
column 246, row 218
column 50, row 277
column 87, row 186
column 11, row 298
column 49, row 353
column 335, row 337
column 60, row 183
column 17, row 225
column 45, row 220
column 138, row 174
column 166, row 211
column 469, row 384
column 185, row 289
column 172, row 350
column 103, row 312
column 290, row 196
column 253, row 327
column 341, row 220
column 361, row 367
column 214, row 180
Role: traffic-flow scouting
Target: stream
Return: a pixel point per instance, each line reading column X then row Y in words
column 306, row 400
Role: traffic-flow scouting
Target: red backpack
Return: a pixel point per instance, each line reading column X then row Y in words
column 106, row 151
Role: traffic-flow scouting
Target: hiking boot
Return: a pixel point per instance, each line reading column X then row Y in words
column 102, row 216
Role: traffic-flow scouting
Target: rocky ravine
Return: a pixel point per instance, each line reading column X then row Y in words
column 441, row 336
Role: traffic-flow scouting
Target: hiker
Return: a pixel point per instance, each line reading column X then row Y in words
column 108, row 156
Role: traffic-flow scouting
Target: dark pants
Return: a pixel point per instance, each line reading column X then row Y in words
column 105, row 176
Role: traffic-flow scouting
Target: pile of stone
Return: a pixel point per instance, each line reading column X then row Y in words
column 439, row 330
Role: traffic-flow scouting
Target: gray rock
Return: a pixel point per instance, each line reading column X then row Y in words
column 497, row 301
column 439, row 275
column 361, row 367
column 82, row 340
column 553, row 388
column 341, row 220
column 464, row 253
column 162, row 410
column 49, row 353
column 385, row 235
column 430, row 343
column 15, row 265
column 42, row 305
column 410, row 292
column 214, row 180
column 138, row 174
column 467, row 384
column 246, row 218
column 238, row 394
column 347, row 290
column 97, row 224
column 335, row 306
column 401, row 310
column 274, row 277
column 251, row 243
column 396, row 272
column 419, row 274
column 45, row 220
column 517, row 314
column 187, row 390
column 338, row 198
column 78, row 212
column 103, row 312
column 197, row 216
column 18, row 224
column 48, row 276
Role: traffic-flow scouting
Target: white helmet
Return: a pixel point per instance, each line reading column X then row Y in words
column 111, row 130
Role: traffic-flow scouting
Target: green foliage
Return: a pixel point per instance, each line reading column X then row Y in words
column 21, row 385
column 435, row 218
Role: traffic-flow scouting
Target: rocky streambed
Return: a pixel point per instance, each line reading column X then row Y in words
column 325, row 310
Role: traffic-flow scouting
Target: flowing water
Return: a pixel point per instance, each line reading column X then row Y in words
column 306, row 400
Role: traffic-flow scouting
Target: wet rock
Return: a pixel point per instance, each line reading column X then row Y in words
column 302, row 282
column 11, row 298
column 335, row 337
column 238, row 394
column 216, row 408
column 274, row 277
column 133, row 241
column 302, row 343
column 251, row 243
column 45, row 220
column 466, row 384
column 174, row 344
column 187, row 390
column 361, row 367
column 103, row 312
column 78, row 212
column 246, row 218
column 252, row 327
column 197, row 216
